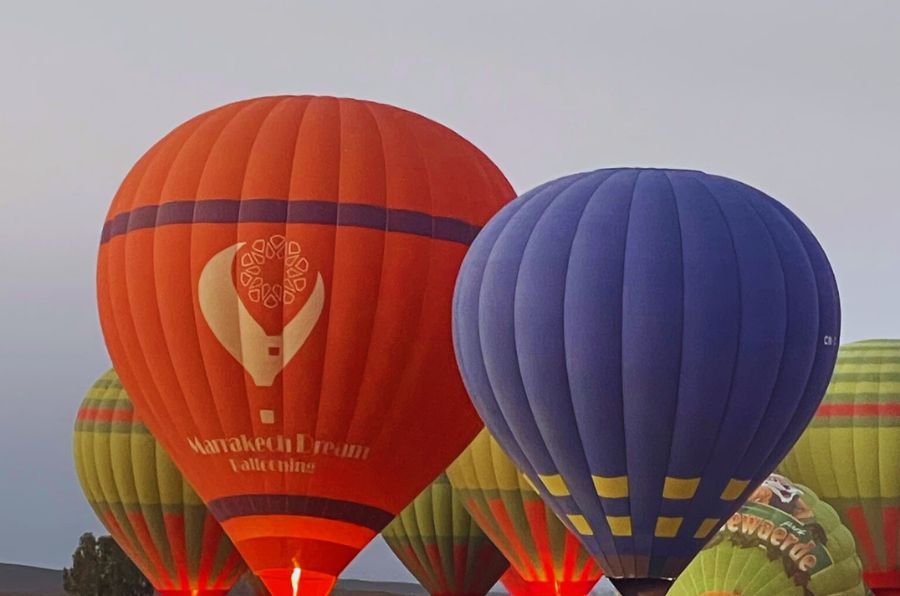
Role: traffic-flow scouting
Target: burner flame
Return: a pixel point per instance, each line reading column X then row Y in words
column 295, row 580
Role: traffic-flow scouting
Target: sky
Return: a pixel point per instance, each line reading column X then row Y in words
column 799, row 99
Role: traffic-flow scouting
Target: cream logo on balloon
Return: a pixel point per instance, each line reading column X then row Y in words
column 272, row 273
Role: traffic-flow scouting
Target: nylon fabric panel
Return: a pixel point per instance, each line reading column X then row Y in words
column 829, row 318
column 802, row 335
column 652, row 345
column 262, row 272
column 539, row 328
column 755, row 364
column 588, row 290
column 143, row 501
column 645, row 344
column 466, row 297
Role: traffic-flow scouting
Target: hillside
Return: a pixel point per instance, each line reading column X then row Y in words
column 22, row 580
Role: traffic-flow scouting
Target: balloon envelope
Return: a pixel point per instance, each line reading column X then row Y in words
column 784, row 541
column 545, row 557
column 143, row 500
column 274, row 283
column 849, row 454
column 646, row 345
column 442, row 546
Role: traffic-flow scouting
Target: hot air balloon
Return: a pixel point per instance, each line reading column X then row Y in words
column 849, row 455
column 275, row 280
column 646, row 345
column 783, row 541
column 144, row 502
column 442, row 546
column 545, row 558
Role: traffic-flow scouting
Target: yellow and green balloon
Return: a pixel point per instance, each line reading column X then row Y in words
column 442, row 546
column 850, row 455
column 144, row 502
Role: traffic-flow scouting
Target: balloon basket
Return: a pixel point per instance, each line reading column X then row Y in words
column 641, row 586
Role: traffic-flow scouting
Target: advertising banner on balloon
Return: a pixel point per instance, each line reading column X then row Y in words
column 778, row 520
column 784, row 541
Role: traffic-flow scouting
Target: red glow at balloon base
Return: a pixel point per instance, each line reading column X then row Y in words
column 518, row 586
column 192, row 592
column 279, row 582
column 882, row 583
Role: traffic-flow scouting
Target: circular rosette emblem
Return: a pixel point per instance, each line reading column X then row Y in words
column 273, row 277
column 272, row 271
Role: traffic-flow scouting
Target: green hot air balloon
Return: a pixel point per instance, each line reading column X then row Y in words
column 145, row 503
column 784, row 541
column 850, row 455
column 442, row 545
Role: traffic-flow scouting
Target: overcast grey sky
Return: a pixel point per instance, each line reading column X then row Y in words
column 800, row 98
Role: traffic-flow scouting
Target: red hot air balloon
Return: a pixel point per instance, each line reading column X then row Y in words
column 275, row 281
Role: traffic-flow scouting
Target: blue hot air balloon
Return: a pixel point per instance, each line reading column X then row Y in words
column 646, row 345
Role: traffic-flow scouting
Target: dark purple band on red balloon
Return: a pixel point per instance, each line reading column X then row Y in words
column 354, row 513
column 230, row 211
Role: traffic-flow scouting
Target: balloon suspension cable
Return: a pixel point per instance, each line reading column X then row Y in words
column 641, row 586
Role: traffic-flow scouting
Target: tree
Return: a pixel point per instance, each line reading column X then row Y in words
column 101, row 568
column 84, row 576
